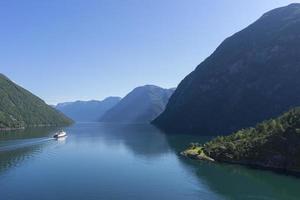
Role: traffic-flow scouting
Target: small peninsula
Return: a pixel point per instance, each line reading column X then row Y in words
column 273, row 144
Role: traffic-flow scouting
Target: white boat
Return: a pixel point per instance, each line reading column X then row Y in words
column 60, row 134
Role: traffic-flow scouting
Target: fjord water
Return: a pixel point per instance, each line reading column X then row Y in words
column 110, row 161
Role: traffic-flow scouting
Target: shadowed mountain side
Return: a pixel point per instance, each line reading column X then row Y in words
column 252, row 76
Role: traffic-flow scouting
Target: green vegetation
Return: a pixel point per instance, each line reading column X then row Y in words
column 274, row 144
column 196, row 151
column 19, row 108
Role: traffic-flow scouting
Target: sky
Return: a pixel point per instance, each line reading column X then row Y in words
column 66, row 50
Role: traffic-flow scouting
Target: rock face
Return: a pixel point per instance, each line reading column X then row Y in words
column 252, row 76
column 272, row 144
column 141, row 105
column 19, row 108
column 87, row 111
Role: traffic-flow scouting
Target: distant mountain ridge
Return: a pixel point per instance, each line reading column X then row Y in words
column 252, row 76
column 19, row 108
column 87, row 111
column 141, row 105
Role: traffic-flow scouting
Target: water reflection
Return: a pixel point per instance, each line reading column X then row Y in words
column 238, row 182
column 229, row 181
column 142, row 139
column 61, row 140
column 20, row 145
column 14, row 158
column 109, row 159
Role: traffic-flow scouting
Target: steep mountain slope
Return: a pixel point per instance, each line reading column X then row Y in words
column 87, row 111
column 252, row 76
column 19, row 108
column 272, row 144
column 141, row 105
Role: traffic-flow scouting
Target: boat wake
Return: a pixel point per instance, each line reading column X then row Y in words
column 16, row 144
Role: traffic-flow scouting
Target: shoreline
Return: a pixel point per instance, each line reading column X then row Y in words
column 194, row 154
column 11, row 129
column 30, row 126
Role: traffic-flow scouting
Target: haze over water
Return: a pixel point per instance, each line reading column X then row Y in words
column 105, row 161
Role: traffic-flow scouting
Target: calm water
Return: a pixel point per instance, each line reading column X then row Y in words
column 99, row 161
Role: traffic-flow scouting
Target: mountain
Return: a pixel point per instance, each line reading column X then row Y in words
column 141, row 105
column 19, row 108
column 272, row 144
column 252, row 76
column 87, row 111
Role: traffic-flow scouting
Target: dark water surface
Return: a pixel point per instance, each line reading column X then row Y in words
column 106, row 161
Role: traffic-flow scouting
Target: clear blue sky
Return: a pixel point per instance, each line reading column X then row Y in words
column 64, row 50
